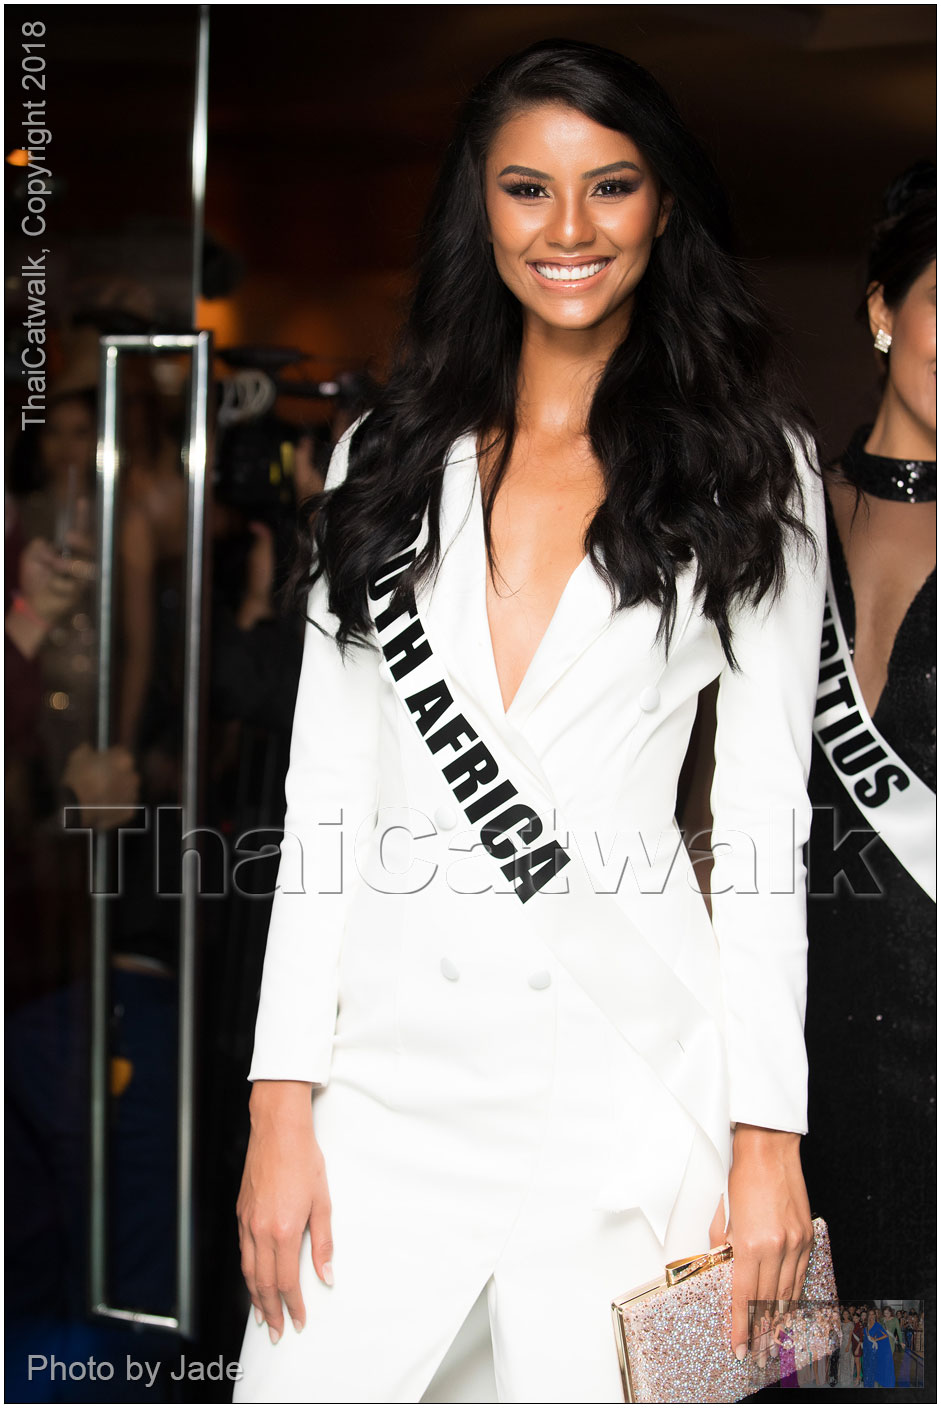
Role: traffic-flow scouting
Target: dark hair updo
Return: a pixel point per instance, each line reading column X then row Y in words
column 904, row 239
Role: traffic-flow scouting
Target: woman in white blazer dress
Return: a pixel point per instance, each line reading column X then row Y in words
column 489, row 963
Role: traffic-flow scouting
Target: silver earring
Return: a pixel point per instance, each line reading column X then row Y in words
column 883, row 341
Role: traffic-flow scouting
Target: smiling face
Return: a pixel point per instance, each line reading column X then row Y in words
column 573, row 210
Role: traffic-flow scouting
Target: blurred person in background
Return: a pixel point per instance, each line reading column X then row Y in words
column 834, row 1345
column 873, row 943
column 45, row 940
column 151, row 551
column 50, row 762
column 859, row 1321
column 893, row 1325
column 788, row 1338
column 55, row 467
column 256, row 644
column 52, row 483
column 846, row 1374
column 878, row 1369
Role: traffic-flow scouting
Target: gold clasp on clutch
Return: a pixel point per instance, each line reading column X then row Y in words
column 677, row 1271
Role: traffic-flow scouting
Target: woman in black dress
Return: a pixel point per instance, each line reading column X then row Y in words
column 871, row 1004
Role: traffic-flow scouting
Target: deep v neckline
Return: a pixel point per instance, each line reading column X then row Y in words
column 525, row 681
column 846, row 602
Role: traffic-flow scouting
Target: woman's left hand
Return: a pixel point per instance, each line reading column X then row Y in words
column 769, row 1223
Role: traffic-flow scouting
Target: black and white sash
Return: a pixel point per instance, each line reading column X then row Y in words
column 892, row 798
column 589, row 933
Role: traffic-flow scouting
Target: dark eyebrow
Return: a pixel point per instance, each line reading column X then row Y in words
column 586, row 175
column 524, row 171
column 612, row 166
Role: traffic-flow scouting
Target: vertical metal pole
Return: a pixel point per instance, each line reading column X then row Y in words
column 200, row 149
column 196, row 450
column 107, row 470
column 194, row 610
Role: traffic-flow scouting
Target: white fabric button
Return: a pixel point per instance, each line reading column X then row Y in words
column 539, row 980
column 649, row 699
column 445, row 818
column 449, row 970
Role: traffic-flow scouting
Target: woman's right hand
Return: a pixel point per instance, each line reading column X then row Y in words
column 284, row 1190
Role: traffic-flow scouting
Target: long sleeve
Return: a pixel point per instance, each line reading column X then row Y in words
column 762, row 817
column 330, row 788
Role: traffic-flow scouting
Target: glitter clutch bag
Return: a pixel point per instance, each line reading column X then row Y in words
column 674, row 1334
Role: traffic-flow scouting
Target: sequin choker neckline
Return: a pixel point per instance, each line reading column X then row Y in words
column 904, row 481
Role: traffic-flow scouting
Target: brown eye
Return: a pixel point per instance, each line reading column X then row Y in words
column 616, row 188
column 525, row 190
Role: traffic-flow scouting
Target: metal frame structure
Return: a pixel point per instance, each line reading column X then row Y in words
column 199, row 346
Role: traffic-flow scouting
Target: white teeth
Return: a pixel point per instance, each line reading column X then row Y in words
column 571, row 274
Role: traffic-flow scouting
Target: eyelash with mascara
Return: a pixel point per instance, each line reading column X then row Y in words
column 619, row 188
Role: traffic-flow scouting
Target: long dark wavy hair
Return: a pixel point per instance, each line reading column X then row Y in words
column 688, row 418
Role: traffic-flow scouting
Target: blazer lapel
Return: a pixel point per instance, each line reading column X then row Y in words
column 584, row 610
column 450, row 603
column 453, row 606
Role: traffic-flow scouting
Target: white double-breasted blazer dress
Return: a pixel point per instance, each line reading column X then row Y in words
column 525, row 1109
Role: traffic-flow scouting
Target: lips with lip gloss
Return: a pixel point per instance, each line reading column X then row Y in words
column 568, row 276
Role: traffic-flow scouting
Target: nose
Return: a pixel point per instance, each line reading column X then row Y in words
column 570, row 225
